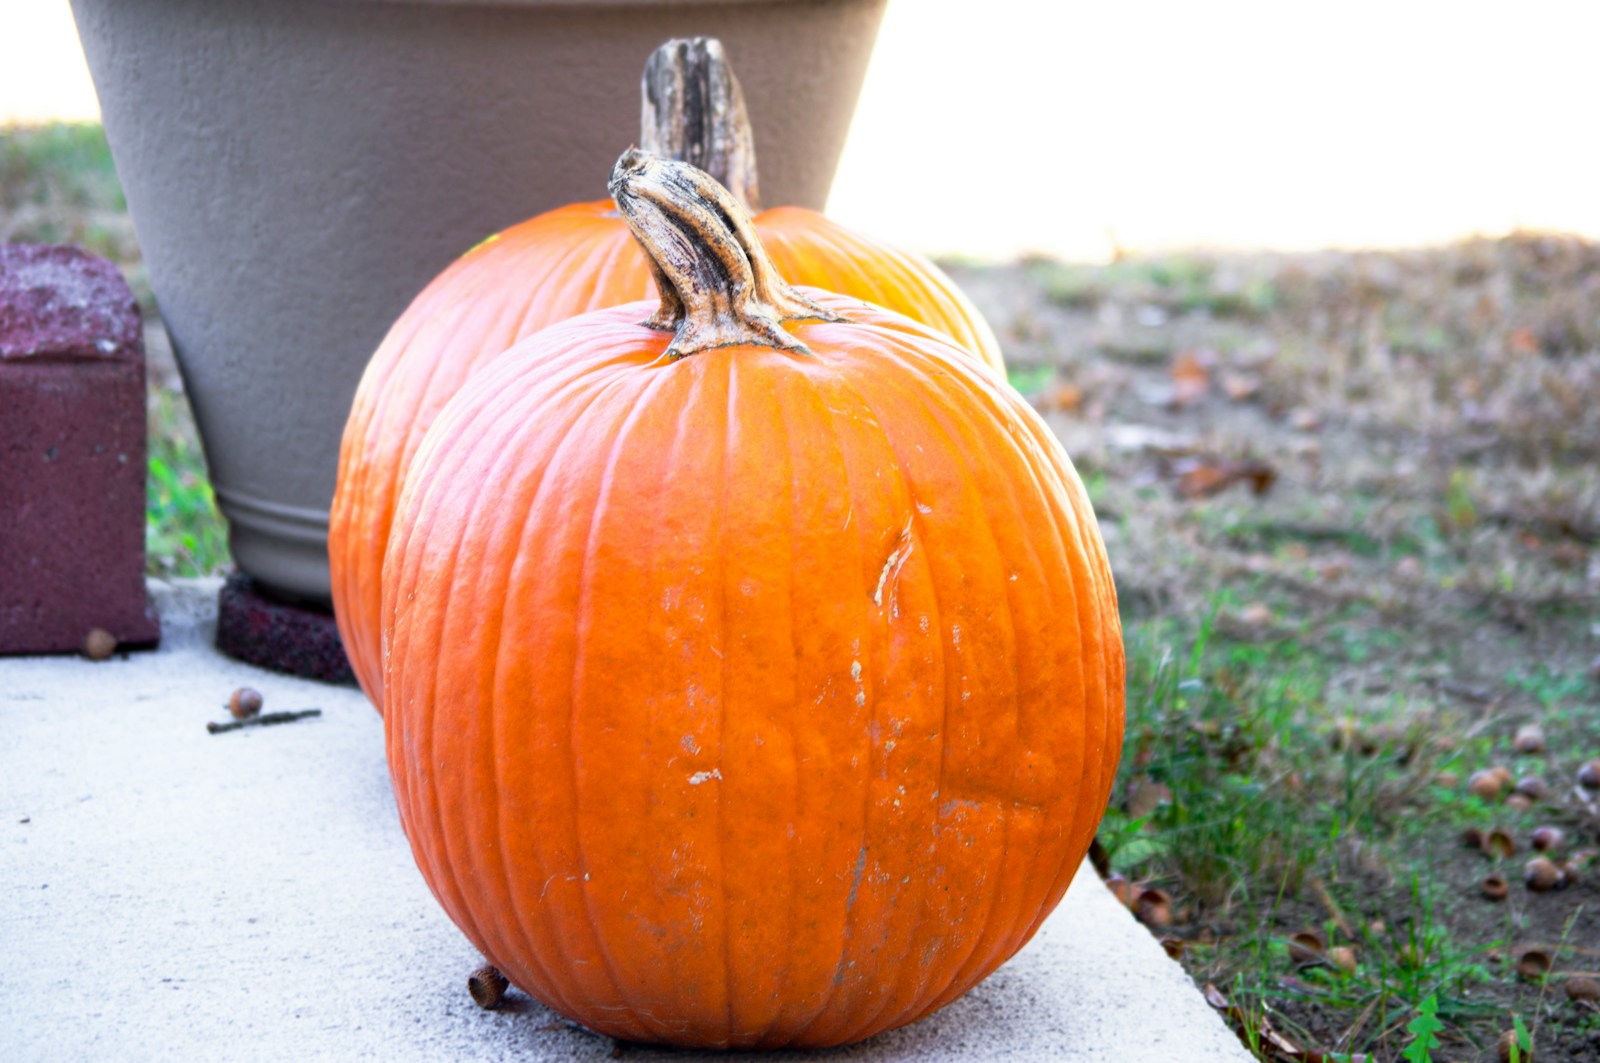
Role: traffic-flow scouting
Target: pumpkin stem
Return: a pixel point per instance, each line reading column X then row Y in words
column 693, row 109
column 718, row 287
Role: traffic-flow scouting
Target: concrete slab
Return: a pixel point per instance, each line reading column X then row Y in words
column 170, row 894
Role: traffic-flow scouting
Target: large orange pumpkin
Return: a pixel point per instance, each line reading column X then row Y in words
column 755, row 678
column 568, row 261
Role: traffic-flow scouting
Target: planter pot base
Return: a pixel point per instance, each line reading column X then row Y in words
column 296, row 638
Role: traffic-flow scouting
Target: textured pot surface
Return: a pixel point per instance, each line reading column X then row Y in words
column 298, row 171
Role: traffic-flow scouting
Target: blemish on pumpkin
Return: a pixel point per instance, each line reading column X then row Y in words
column 701, row 776
column 689, row 744
column 855, row 881
column 891, row 566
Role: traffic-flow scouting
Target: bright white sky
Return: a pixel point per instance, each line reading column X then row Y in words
column 1073, row 127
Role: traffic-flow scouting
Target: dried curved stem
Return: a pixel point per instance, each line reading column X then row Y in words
column 718, row 287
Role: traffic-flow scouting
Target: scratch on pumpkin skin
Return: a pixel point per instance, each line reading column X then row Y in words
column 704, row 776
column 552, row 878
column 855, row 881
column 897, row 558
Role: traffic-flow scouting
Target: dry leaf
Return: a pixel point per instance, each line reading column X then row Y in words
column 1522, row 341
column 1146, row 797
column 1304, row 419
column 1240, row 386
column 1191, row 380
column 1067, row 398
column 1208, row 478
column 1256, row 614
column 1331, row 571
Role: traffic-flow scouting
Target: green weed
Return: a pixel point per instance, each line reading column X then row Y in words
column 184, row 534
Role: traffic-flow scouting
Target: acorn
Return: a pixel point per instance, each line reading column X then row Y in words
column 1495, row 887
column 1542, row 875
column 1509, row 1038
column 1546, row 838
column 1529, row 739
column 1589, row 775
column 1533, row 964
column 1583, row 991
column 1499, row 843
column 99, row 644
column 1472, row 838
column 1343, row 957
column 1519, row 802
column 1308, row 947
column 1533, row 788
column 245, row 703
column 1154, row 907
column 1120, row 888
column 1485, row 785
column 488, row 987
column 1503, row 773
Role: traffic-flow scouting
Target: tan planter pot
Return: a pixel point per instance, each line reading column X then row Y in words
column 297, row 170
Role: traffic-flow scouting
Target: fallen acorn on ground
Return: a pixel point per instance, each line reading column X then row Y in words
column 1307, row 947
column 1153, row 906
column 99, row 644
column 1343, row 957
column 1533, row 788
column 1507, row 1040
column 1529, row 739
column 1589, row 775
column 1542, row 875
column 1544, row 839
column 245, row 703
column 1533, row 964
column 488, row 987
column 1499, row 843
column 1487, row 785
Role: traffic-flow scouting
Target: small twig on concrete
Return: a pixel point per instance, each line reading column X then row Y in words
column 264, row 720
